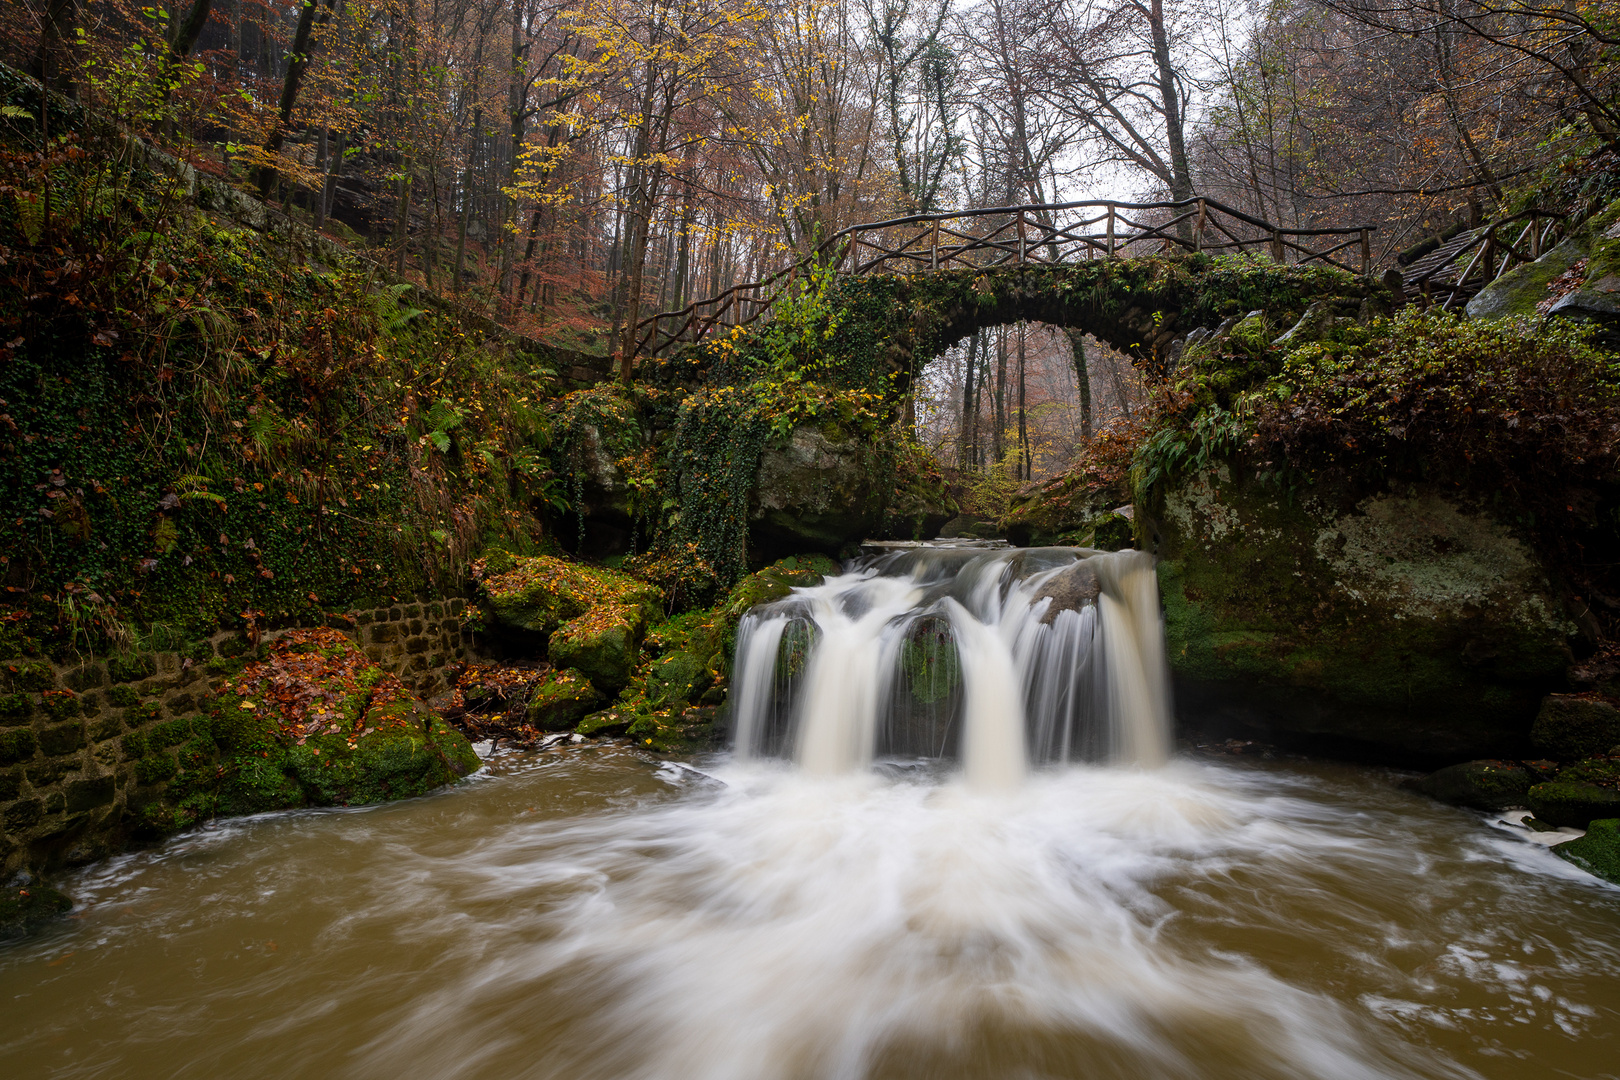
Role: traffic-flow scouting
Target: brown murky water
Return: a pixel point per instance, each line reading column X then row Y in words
column 593, row 914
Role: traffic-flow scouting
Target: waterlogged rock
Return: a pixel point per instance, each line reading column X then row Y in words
column 815, row 491
column 1403, row 624
column 26, row 904
column 1574, row 726
column 1598, row 852
column 1070, row 590
column 1571, row 803
column 1479, row 785
column 561, row 699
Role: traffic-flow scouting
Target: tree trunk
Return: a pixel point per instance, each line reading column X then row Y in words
column 1181, row 185
column 298, row 64
column 1023, row 428
column 187, row 33
column 1082, row 378
column 964, row 455
column 997, row 436
column 50, row 64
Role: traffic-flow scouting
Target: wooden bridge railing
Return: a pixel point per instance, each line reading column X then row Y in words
column 1490, row 252
column 1034, row 234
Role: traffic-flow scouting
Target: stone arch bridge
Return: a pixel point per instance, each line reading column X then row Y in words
column 1138, row 276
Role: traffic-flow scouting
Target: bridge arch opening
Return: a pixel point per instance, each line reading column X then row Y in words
column 1022, row 398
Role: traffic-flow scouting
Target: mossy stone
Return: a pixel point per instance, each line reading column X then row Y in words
column 1517, row 292
column 601, row 643
column 18, row 745
column 561, row 700
column 128, row 669
column 27, row 675
column 1598, row 852
column 1401, row 622
column 156, row 768
column 1563, row 802
column 15, row 709
column 540, row 593
column 677, row 678
column 1570, row 727
column 389, row 763
column 1602, row 771
column 607, row 722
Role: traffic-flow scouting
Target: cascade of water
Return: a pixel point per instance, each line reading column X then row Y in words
column 1016, row 657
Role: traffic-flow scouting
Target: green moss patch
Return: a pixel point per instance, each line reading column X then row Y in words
column 1598, row 852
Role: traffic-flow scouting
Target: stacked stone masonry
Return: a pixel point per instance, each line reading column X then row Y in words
column 84, row 744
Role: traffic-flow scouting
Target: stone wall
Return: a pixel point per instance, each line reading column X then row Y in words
column 85, row 743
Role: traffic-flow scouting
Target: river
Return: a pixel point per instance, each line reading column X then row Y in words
column 591, row 912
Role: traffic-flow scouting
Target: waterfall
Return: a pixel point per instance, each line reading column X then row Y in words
column 1006, row 659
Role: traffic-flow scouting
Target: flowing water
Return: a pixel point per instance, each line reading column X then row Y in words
column 1071, row 910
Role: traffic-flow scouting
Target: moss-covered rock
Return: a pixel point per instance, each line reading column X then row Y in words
column 1598, row 852
column 679, row 677
column 1563, row 802
column 537, row 594
column 314, row 723
column 776, row 581
column 600, row 643
column 1401, row 623
column 27, row 905
column 1072, row 509
column 815, row 491
column 561, row 699
column 1518, row 291
column 1602, row 771
column 1479, row 785
column 1574, row 726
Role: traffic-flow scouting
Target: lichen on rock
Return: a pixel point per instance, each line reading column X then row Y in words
column 1403, row 622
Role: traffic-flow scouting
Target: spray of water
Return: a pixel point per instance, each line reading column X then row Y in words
column 1007, row 659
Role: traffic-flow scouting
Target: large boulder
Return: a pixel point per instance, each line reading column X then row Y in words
column 815, row 491
column 538, row 594
column 1574, row 726
column 1579, row 280
column 1080, row 508
column 1398, row 624
column 602, row 643
column 562, row 699
column 1479, row 785
column 1518, row 291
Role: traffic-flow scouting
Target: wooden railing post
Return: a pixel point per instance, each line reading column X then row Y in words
column 933, row 258
column 1020, row 238
column 1110, row 230
column 1277, row 254
column 1198, row 233
column 1366, row 252
column 1535, row 235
